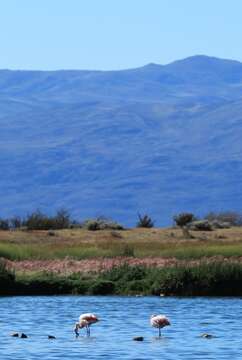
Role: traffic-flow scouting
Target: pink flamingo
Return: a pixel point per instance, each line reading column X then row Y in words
column 85, row 320
column 159, row 321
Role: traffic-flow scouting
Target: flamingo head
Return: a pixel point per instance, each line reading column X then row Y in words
column 76, row 328
column 168, row 322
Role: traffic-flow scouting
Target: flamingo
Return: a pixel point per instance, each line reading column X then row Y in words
column 159, row 321
column 85, row 320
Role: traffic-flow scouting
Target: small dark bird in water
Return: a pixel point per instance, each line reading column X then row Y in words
column 15, row 334
column 51, row 337
column 207, row 336
column 20, row 335
column 138, row 338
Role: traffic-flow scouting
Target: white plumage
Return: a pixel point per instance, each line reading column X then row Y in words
column 159, row 321
column 85, row 320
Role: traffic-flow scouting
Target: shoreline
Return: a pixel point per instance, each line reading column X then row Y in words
column 204, row 278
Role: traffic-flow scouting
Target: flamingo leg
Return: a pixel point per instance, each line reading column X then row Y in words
column 88, row 330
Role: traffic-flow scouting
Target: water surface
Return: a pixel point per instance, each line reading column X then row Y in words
column 122, row 318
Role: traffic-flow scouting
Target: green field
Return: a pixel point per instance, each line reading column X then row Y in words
column 208, row 264
column 140, row 243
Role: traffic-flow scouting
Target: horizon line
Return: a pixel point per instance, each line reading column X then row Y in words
column 123, row 69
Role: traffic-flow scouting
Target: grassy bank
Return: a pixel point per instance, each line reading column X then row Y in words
column 203, row 279
column 82, row 244
column 178, row 274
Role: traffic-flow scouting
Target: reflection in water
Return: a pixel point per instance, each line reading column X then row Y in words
column 122, row 318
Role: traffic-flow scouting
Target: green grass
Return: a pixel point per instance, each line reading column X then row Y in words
column 186, row 251
column 203, row 279
column 48, row 252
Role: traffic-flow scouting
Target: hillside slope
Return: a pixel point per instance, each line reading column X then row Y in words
column 160, row 139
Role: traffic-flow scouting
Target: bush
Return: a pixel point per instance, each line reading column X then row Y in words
column 16, row 222
column 39, row 221
column 202, row 279
column 4, row 224
column 91, row 225
column 200, row 225
column 232, row 218
column 145, row 221
column 137, row 287
column 7, row 279
column 44, row 284
column 62, row 219
column 101, row 223
column 183, row 219
column 102, row 287
column 206, row 279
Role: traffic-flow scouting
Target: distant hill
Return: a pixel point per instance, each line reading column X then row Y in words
column 157, row 139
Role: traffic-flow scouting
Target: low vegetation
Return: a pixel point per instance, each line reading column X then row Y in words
column 145, row 221
column 101, row 223
column 185, row 259
column 208, row 279
column 84, row 244
column 232, row 218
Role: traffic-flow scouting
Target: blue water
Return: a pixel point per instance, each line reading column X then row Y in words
column 122, row 318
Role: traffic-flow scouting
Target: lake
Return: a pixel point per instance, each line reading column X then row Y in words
column 122, row 318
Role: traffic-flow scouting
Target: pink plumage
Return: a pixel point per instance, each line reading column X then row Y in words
column 159, row 321
column 89, row 318
column 85, row 320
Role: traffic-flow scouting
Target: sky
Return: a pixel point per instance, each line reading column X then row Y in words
column 115, row 34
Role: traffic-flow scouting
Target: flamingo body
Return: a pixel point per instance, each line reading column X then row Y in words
column 85, row 320
column 159, row 321
column 89, row 318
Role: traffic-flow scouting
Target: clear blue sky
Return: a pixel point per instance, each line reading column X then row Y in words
column 115, row 34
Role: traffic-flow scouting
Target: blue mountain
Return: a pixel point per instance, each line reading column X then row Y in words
column 156, row 139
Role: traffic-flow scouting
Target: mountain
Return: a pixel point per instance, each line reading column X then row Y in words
column 156, row 139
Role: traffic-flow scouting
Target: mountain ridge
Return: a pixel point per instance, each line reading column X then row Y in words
column 115, row 143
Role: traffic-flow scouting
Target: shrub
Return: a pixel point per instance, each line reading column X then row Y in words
column 215, row 279
column 92, row 225
column 145, row 221
column 125, row 273
column 62, row 219
column 44, row 284
column 232, row 218
column 101, row 223
column 39, row 221
column 102, row 287
column 7, row 279
column 16, row 222
column 183, row 219
column 201, row 225
column 4, row 224
column 137, row 286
